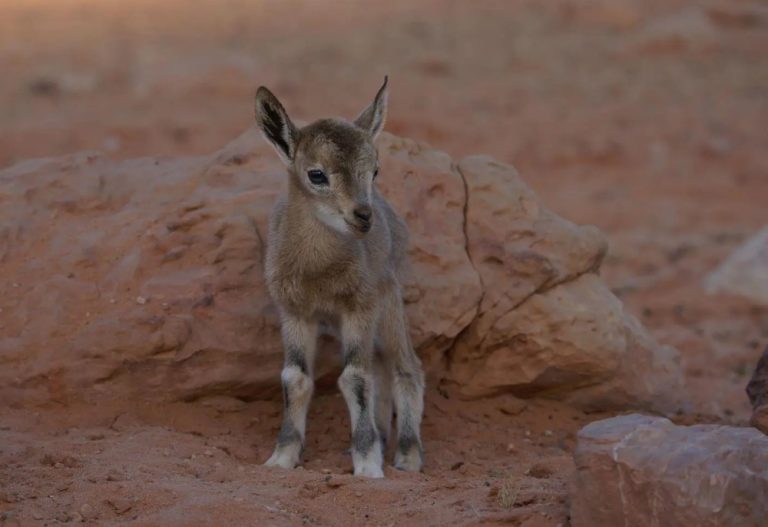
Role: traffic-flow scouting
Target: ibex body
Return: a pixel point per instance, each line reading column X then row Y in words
column 336, row 251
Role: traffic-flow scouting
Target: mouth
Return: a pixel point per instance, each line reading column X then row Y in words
column 360, row 228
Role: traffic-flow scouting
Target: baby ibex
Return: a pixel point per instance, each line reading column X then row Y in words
column 336, row 251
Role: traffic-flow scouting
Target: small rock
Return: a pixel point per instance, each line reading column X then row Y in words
column 745, row 271
column 86, row 510
column 115, row 475
column 223, row 404
column 141, row 300
column 119, row 504
column 511, row 405
column 630, row 468
column 539, row 471
column 333, row 483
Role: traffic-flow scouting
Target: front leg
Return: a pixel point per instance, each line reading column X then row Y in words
column 357, row 385
column 300, row 342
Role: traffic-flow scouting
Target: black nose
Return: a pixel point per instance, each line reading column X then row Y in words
column 363, row 213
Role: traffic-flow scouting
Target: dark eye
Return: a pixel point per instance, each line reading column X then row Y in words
column 317, row 177
column 375, row 173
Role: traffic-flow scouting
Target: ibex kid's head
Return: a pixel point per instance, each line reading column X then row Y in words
column 331, row 161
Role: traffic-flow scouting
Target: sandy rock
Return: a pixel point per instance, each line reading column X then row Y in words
column 745, row 272
column 518, row 248
column 556, row 340
column 637, row 470
column 143, row 278
column 547, row 324
column 85, row 238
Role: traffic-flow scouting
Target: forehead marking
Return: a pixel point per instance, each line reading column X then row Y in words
column 338, row 145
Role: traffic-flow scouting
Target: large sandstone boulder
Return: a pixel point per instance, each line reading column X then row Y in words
column 144, row 278
column 637, row 470
column 745, row 272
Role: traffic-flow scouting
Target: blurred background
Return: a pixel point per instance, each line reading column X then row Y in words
column 645, row 118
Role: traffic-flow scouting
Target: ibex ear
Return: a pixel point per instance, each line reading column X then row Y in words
column 372, row 119
column 275, row 124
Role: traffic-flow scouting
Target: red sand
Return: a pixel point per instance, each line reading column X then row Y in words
column 646, row 119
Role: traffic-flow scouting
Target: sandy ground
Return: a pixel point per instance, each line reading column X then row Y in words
column 644, row 118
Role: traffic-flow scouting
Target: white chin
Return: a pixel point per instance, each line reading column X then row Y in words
column 332, row 220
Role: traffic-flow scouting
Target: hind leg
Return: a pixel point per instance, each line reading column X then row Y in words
column 382, row 375
column 408, row 383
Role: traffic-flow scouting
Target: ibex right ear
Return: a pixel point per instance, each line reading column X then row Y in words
column 275, row 124
column 372, row 118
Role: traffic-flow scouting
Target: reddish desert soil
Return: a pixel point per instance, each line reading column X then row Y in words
column 646, row 119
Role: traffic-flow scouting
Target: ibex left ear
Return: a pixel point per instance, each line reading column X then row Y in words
column 275, row 124
column 372, row 119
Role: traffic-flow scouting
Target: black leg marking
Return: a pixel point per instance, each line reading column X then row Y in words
column 352, row 356
column 296, row 357
column 407, row 440
column 365, row 434
column 360, row 395
column 288, row 434
column 364, row 437
column 286, row 397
